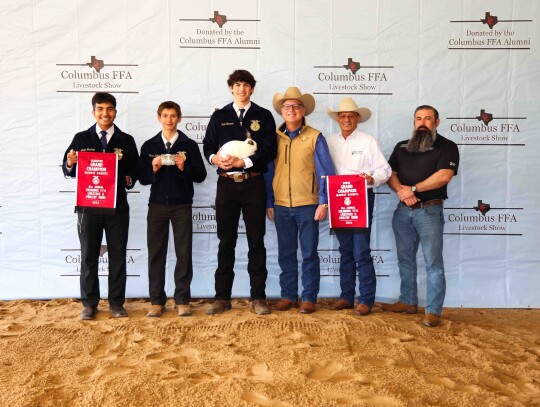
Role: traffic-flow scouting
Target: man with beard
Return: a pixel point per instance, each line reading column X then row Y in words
column 421, row 169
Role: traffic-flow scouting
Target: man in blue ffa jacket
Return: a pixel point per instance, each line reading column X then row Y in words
column 104, row 136
column 240, row 188
column 170, row 162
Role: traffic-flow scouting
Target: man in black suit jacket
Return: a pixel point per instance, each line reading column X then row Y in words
column 170, row 162
column 92, row 223
column 240, row 188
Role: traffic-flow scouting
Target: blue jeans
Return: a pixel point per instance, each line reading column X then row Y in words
column 293, row 224
column 411, row 227
column 354, row 247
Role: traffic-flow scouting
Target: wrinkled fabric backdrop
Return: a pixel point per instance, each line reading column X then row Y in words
column 476, row 62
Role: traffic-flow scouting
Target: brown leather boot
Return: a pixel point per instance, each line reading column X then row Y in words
column 260, row 307
column 155, row 311
column 431, row 320
column 218, row 306
column 307, row 307
column 362, row 309
column 284, row 305
column 341, row 304
column 400, row 307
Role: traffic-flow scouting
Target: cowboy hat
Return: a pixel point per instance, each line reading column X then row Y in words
column 294, row 93
column 349, row 105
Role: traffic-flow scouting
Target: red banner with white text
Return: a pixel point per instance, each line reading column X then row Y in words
column 347, row 201
column 96, row 180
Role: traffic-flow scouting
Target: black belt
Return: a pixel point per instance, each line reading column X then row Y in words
column 419, row 205
column 240, row 177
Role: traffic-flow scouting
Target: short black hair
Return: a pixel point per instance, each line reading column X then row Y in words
column 427, row 107
column 241, row 75
column 169, row 104
column 103, row 97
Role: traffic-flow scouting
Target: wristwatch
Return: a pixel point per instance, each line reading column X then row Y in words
column 413, row 188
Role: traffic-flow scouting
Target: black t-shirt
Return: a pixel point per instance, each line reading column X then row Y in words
column 412, row 168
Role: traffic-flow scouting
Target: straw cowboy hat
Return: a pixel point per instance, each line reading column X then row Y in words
column 349, row 105
column 294, row 93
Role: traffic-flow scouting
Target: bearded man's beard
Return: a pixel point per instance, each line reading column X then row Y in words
column 422, row 139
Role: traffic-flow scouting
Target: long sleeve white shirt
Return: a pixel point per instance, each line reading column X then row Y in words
column 359, row 153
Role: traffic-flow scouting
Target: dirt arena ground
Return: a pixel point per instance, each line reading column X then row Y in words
column 477, row 357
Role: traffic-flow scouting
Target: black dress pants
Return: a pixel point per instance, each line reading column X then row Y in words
column 158, row 220
column 91, row 227
column 249, row 198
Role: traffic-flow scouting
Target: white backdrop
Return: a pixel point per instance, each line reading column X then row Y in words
column 390, row 56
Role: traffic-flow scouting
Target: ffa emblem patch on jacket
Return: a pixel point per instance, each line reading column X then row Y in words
column 118, row 152
column 255, row 125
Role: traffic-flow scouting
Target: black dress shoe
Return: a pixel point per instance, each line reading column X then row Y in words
column 88, row 313
column 118, row 311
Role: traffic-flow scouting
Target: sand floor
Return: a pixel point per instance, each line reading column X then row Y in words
column 48, row 357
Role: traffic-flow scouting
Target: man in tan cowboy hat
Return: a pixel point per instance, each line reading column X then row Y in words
column 355, row 152
column 295, row 200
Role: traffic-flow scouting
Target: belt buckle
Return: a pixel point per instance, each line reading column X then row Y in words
column 238, row 177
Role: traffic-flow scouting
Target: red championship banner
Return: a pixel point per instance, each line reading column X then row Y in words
column 96, row 180
column 347, row 201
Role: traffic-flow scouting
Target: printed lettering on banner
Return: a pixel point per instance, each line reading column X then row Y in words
column 347, row 201
column 96, row 180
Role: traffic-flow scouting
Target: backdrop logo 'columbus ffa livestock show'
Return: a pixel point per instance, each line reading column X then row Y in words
column 353, row 78
column 487, row 129
column 96, row 75
column 487, row 219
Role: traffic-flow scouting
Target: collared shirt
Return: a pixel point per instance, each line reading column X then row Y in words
column 359, row 153
column 237, row 109
column 110, row 132
column 172, row 140
column 323, row 167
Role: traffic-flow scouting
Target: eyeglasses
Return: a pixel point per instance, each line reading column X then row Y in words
column 289, row 107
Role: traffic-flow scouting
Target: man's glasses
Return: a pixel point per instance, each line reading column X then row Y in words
column 289, row 107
